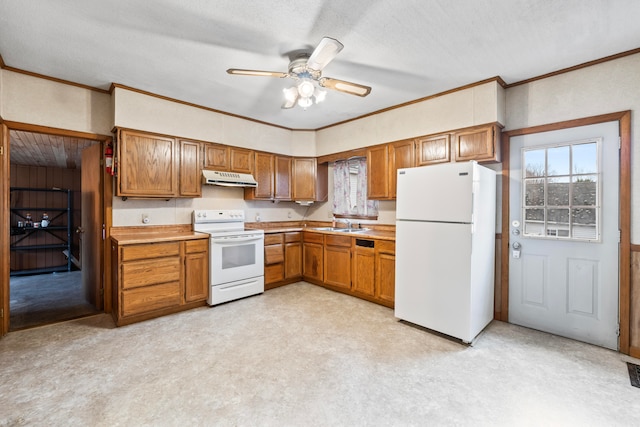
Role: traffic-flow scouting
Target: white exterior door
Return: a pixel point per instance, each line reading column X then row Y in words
column 564, row 233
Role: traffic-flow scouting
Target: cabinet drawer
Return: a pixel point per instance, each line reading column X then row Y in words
column 331, row 240
column 294, row 236
column 273, row 239
column 149, row 298
column 310, row 237
column 194, row 246
column 273, row 254
column 151, row 250
column 273, row 273
column 386, row 246
column 148, row 272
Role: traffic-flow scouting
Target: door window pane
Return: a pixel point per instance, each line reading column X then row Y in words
column 534, row 163
column 534, row 192
column 558, row 161
column 585, row 158
column 584, row 190
column 560, row 191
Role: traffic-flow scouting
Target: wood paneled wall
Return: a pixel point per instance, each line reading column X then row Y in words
column 43, row 177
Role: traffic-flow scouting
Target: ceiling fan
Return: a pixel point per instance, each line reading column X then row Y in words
column 306, row 69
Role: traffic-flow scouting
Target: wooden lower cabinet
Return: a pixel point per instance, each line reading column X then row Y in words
column 153, row 279
column 293, row 255
column 385, row 272
column 337, row 261
column 313, row 257
column 364, row 269
column 273, row 258
column 196, row 266
column 282, row 258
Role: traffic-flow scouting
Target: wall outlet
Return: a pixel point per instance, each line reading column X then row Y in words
column 289, row 214
column 258, row 217
column 329, row 214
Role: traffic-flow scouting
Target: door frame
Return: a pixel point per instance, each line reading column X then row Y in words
column 107, row 202
column 624, row 261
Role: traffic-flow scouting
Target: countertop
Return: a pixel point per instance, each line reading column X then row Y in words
column 154, row 237
column 371, row 233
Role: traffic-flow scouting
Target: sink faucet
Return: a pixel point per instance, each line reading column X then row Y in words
column 348, row 222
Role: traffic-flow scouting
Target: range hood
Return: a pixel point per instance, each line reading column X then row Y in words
column 228, row 179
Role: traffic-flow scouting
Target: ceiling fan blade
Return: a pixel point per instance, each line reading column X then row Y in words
column 343, row 86
column 241, row 72
column 324, row 53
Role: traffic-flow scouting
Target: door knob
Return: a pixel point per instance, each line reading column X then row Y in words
column 79, row 230
column 516, row 245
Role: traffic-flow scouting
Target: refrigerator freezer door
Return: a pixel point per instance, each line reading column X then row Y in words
column 436, row 193
column 433, row 276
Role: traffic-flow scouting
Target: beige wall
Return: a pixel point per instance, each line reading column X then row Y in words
column 472, row 106
column 43, row 102
column 604, row 88
column 143, row 112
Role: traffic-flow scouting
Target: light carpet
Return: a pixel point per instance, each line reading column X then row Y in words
column 301, row 355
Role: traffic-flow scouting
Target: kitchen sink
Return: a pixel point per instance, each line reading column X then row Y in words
column 341, row 230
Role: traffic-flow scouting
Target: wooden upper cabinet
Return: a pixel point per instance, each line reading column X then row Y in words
column 309, row 180
column 190, row 170
column 147, row 165
column 264, row 174
column 378, row 172
column 481, row 143
column 401, row 155
column 226, row 158
column 216, row 157
column 282, row 189
column 433, row 149
column 240, row 160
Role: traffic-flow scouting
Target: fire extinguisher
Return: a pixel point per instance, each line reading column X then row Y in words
column 108, row 159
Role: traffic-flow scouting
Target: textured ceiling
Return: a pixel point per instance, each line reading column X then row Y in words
column 404, row 49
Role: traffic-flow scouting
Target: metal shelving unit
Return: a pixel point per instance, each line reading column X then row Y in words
column 60, row 232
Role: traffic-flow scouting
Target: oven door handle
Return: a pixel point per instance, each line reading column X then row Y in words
column 234, row 240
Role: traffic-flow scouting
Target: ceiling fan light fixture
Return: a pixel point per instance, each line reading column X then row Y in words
column 304, row 102
column 290, row 94
column 306, row 88
column 319, row 94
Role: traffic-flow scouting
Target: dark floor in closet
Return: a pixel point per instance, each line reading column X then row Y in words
column 47, row 298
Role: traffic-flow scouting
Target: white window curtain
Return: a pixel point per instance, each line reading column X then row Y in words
column 350, row 189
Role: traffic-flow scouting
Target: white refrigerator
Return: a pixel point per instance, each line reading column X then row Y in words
column 445, row 247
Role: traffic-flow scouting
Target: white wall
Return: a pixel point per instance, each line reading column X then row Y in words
column 37, row 101
column 604, row 88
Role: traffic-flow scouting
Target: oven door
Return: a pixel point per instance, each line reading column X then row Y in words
column 236, row 257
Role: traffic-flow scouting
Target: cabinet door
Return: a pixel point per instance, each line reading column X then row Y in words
column 292, row 260
column 433, row 149
column 264, row 175
column 337, row 261
column 385, row 272
column 196, row 282
column 304, row 179
column 313, row 261
column 282, row 178
column 241, row 160
column 479, row 144
column 363, row 270
column 386, row 278
column 147, row 165
column 401, row 155
column 190, row 172
column 216, row 157
column 378, row 172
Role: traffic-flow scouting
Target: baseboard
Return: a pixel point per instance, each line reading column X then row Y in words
column 634, row 352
